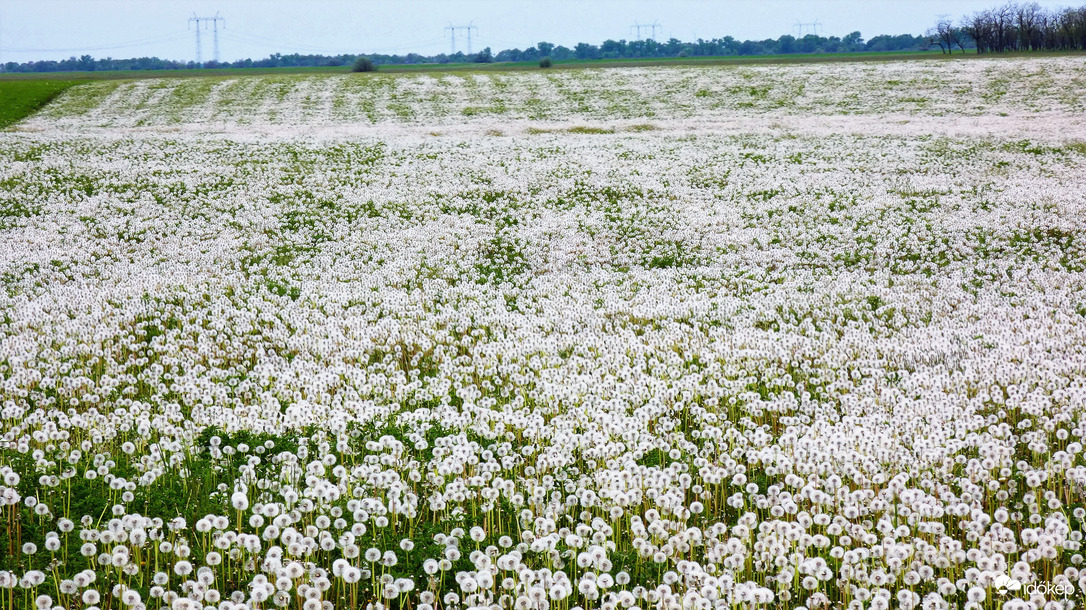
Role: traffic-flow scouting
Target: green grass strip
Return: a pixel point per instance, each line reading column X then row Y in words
column 21, row 98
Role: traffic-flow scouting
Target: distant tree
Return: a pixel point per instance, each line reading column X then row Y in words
column 934, row 40
column 545, row 62
column 484, row 57
column 854, row 41
column 786, row 44
column 949, row 35
column 613, row 49
column 545, row 49
column 1030, row 20
column 1024, row 27
column 583, row 50
column 1068, row 29
column 749, row 47
column 363, row 64
column 1006, row 37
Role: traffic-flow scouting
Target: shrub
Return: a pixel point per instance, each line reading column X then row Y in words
column 545, row 62
column 363, row 64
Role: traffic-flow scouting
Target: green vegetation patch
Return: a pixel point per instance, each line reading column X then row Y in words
column 21, row 98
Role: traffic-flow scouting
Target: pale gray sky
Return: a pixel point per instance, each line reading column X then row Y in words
column 57, row 29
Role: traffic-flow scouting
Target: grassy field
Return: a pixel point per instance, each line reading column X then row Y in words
column 19, row 99
column 544, row 99
column 21, row 94
column 735, row 60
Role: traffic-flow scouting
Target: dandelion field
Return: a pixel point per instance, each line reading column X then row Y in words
column 659, row 338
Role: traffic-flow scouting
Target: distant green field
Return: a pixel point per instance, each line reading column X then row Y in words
column 504, row 66
column 737, row 60
column 20, row 98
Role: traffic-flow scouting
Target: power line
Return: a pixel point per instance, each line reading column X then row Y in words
column 813, row 25
column 424, row 43
column 214, row 20
column 500, row 41
column 453, row 29
column 648, row 26
column 137, row 43
column 285, row 45
column 281, row 45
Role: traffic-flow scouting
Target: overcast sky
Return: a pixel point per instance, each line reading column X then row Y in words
column 57, row 29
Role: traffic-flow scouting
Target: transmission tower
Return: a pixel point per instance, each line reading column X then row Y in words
column 451, row 33
column 215, row 27
column 453, row 29
column 648, row 26
column 814, row 28
column 468, row 28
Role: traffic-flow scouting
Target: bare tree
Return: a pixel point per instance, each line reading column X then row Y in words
column 979, row 28
column 1027, row 17
column 1014, row 27
column 1079, row 29
column 934, row 39
column 949, row 36
column 1004, row 28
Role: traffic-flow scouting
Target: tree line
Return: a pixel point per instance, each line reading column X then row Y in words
column 785, row 45
column 1013, row 27
column 609, row 49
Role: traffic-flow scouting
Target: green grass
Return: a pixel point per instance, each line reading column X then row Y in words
column 21, row 98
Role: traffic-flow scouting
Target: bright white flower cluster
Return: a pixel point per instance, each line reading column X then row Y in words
column 619, row 358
